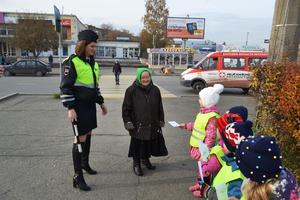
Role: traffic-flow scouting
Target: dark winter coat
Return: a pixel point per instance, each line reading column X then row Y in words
column 143, row 107
column 117, row 68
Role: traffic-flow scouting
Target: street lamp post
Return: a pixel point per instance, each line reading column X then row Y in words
column 247, row 37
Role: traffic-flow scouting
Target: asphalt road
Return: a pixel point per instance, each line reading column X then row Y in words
column 50, row 84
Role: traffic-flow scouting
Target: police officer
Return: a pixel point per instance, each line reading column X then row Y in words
column 79, row 94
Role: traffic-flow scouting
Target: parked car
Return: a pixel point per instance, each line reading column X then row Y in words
column 27, row 66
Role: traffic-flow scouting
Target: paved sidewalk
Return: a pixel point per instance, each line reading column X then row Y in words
column 36, row 162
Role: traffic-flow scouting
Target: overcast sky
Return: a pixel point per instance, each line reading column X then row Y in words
column 226, row 20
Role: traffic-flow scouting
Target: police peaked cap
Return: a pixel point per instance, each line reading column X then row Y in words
column 88, row 35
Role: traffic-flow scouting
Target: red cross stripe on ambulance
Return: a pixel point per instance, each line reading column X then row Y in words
column 222, row 75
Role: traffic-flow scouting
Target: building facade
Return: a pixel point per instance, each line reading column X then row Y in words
column 71, row 26
column 118, row 49
column 112, row 44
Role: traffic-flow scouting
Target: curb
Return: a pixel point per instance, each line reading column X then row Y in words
column 4, row 98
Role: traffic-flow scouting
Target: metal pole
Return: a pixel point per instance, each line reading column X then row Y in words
column 59, row 54
column 60, row 46
column 247, row 39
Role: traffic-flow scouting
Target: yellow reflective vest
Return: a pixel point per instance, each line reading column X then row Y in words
column 225, row 175
column 199, row 130
column 84, row 73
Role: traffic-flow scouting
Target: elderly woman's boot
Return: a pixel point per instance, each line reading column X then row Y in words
column 137, row 170
column 148, row 164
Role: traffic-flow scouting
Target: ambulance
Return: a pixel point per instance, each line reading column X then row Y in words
column 228, row 68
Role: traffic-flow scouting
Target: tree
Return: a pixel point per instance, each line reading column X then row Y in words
column 35, row 35
column 108, row 32
column 155, row 23
column 106, row 29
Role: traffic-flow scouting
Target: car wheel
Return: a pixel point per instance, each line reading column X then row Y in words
column 246, row 90
column 7, row 73
column 39, row 73
column 199, row 85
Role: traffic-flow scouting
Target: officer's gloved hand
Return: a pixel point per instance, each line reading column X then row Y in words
column 129, row 126
column 162, row 124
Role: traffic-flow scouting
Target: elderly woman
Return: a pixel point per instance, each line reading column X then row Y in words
column 143, row 117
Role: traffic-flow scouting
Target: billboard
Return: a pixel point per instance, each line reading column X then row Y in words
column 183, row 27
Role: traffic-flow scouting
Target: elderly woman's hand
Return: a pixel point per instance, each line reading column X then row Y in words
column 129, row 126
column 162, row 124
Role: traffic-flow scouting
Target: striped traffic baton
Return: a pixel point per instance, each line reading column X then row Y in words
column 75, row 131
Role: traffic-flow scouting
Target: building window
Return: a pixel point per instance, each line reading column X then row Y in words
column 154, row 59
column 106, row 51
column 190, row 59
column 6, row 49
column 162, row 60
column 24, row 53
column 125, row 53
column 10, row 32
column 183, row 59
column 11, row 51
column 137, row 52
column 1, row 48
column 2, row 31
column 65, row 50
column 55, row 52
column 100, row 51
column 176, row 59
column 131, row 52
column 110, row 51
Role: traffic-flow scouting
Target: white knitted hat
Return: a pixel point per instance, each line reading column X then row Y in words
column 210, row 96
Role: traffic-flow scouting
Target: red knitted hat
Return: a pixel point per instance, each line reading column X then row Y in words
column 226, row 119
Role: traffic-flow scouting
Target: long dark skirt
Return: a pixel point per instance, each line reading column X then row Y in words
column 147, row 148
column 86, row 116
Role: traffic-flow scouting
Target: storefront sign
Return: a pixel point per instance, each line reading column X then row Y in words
column 66, row 22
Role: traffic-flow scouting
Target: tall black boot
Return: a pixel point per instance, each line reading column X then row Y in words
column 78, row 179
column 85, row 156
column 148, row 164
column 137, row 170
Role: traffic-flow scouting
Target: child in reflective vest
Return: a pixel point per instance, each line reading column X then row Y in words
column 228, row 174
column 212, row 166
column 204, row 128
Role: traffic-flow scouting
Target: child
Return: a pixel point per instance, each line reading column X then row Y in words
column 212, row 166
column 234, row 114
column 228, row 173
column 259, row 160
column 204, row 127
